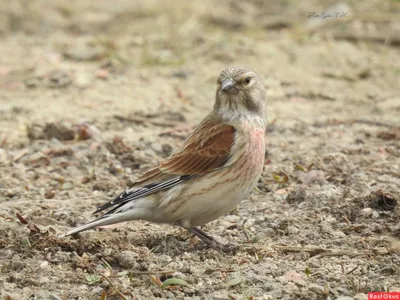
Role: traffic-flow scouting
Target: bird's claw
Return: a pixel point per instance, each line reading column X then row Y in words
column 211, row 242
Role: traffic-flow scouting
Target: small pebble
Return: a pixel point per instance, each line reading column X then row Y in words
column 102, row 74
column 128, row 259
column 249, row 222
column 269, row 232
column 44, row 265
column 67, row 186
column 82, row 80
column 59, row 79
column 293, row 229
column 43, row 280
column 10, row 193
column 179, row 275
column 367, row 212
column 316, row 288
column 233, row 218
column 339, row 233
column 361, row 296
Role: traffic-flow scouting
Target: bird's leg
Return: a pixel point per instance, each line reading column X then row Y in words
column 210, row 241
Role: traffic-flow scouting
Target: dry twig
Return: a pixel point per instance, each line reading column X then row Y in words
column 143, row 120
column 313, row 250
column 114, row 287
column 151, row 272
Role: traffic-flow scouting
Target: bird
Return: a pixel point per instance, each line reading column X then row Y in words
column 218, row 165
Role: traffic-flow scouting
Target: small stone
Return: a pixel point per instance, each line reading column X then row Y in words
column 128, row 259
column 59, row 215
column 179, row 275
column 83, row 51
column 296, row 195
column 131, row 236
column 98, row 290
column 361, row 296
column 235, row 279
column 17, row 265
column 33, row 81
column 49, row 194
column 10, row 193
column 367, row 212
column 85, row 131
column 67, row 186
column 345, row 298
column 260, row 219
column 281, row 192
column 269, row 232
column 43, row 280
column 95, row 19
column 102, row 74
column 316, row 288
column 165, row 259
column 44, row 265
column 293, row 276
column 82, row 80
column 339, row 233
column 59, row 79
column 249, row 222
column 293, row 229
column 233, row 218
column 277, row 293
column 167, row 149
column 62, row 131
column 375, row 215
column 3, row 157
column 311, row 177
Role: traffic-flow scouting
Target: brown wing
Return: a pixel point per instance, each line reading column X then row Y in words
column 206, row 149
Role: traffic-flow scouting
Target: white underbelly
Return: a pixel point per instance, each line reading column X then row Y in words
column 204, row 199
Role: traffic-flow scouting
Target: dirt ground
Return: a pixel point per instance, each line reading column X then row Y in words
column 92, row 93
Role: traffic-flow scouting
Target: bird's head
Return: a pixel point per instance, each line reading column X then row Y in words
column 239, row 91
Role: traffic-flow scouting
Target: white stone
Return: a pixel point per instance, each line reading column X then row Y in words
column 367, row 212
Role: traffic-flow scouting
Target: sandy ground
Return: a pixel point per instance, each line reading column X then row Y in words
column 93, row 95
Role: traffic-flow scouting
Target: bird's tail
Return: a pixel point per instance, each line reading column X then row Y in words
column 102, row 221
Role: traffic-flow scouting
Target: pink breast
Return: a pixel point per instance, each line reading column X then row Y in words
column 256, row 150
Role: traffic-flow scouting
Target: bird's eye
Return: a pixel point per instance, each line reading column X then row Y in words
column 247, row 80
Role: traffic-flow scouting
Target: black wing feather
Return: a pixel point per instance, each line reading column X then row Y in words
column 128, row 195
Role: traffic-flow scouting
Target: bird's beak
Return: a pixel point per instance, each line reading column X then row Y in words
column 227, row 85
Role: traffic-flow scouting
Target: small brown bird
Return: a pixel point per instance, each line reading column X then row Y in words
column 218, row 165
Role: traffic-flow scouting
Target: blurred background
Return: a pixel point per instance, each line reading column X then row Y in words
column 92, row 93
column 97, row 57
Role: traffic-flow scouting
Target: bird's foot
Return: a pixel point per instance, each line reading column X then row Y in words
column 211, row 242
